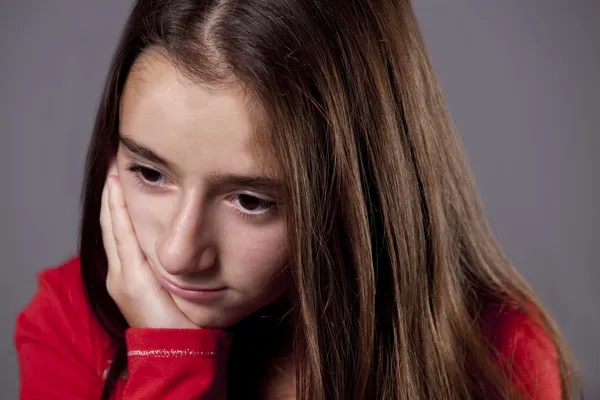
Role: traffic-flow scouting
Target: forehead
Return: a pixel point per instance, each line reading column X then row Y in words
column 195, row 125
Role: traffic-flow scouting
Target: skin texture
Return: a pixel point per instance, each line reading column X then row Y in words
column 207, row 217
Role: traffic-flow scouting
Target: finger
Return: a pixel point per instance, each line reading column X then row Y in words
column 128, row 248
column 110, row 246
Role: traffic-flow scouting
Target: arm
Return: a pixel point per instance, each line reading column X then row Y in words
column 62, row 352
column 55, row 346
column 176, row 364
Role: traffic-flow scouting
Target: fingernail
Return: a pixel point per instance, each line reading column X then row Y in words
column 110, row 183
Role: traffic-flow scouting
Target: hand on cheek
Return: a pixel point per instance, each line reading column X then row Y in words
column 130, row 280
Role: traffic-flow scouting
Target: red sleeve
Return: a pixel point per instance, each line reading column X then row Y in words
column 63, row 353
column 526, row 353
column 54, row 341
column 176, row 364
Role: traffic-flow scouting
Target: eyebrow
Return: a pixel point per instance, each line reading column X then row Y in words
column 263, row 184
column 143, row 151
column 260, row 184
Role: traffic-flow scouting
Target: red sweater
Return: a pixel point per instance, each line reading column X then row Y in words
column 64, row 354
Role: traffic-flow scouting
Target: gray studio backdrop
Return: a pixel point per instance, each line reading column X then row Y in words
column 521, row 80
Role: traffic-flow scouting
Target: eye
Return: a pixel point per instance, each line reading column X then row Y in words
column 147, row 176
column 254, row 205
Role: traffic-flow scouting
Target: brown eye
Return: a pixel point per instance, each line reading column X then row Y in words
column 252, row 204
column 150, row 175
column 147, row 176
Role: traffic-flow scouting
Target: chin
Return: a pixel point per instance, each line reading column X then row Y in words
column 213, row 319
column 211, row 322
column 208, row 316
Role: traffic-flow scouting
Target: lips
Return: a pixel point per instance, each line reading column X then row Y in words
column 191, row 293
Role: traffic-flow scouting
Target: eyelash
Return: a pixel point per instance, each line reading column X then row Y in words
column 270, row 206
column 138, row 173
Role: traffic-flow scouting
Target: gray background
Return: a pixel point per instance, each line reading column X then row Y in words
column 521, row 80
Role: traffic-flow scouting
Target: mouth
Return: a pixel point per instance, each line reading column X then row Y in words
column 189, row 292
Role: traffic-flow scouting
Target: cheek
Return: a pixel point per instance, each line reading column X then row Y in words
column 254, row 256
column 147, row 221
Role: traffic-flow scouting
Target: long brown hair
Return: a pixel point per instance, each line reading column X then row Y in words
column 393, row 261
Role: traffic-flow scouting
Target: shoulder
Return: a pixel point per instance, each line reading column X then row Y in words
column 525, row 350
column 59, row 317
column 62, row 278
column 60, row 292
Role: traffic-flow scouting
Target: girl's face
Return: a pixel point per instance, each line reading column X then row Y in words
column 203, row 205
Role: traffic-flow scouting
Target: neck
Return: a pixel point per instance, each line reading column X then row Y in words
column 262, row 355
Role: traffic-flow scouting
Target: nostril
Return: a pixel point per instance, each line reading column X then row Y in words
column 208, row 259
column 180, row 260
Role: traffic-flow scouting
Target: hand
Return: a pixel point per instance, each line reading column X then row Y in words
column 130, row 280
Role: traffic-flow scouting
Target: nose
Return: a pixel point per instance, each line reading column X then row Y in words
column 184, row 247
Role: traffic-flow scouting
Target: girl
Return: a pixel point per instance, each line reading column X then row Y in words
column 276, row 206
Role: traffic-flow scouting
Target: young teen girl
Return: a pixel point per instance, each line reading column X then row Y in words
column 276, row 206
